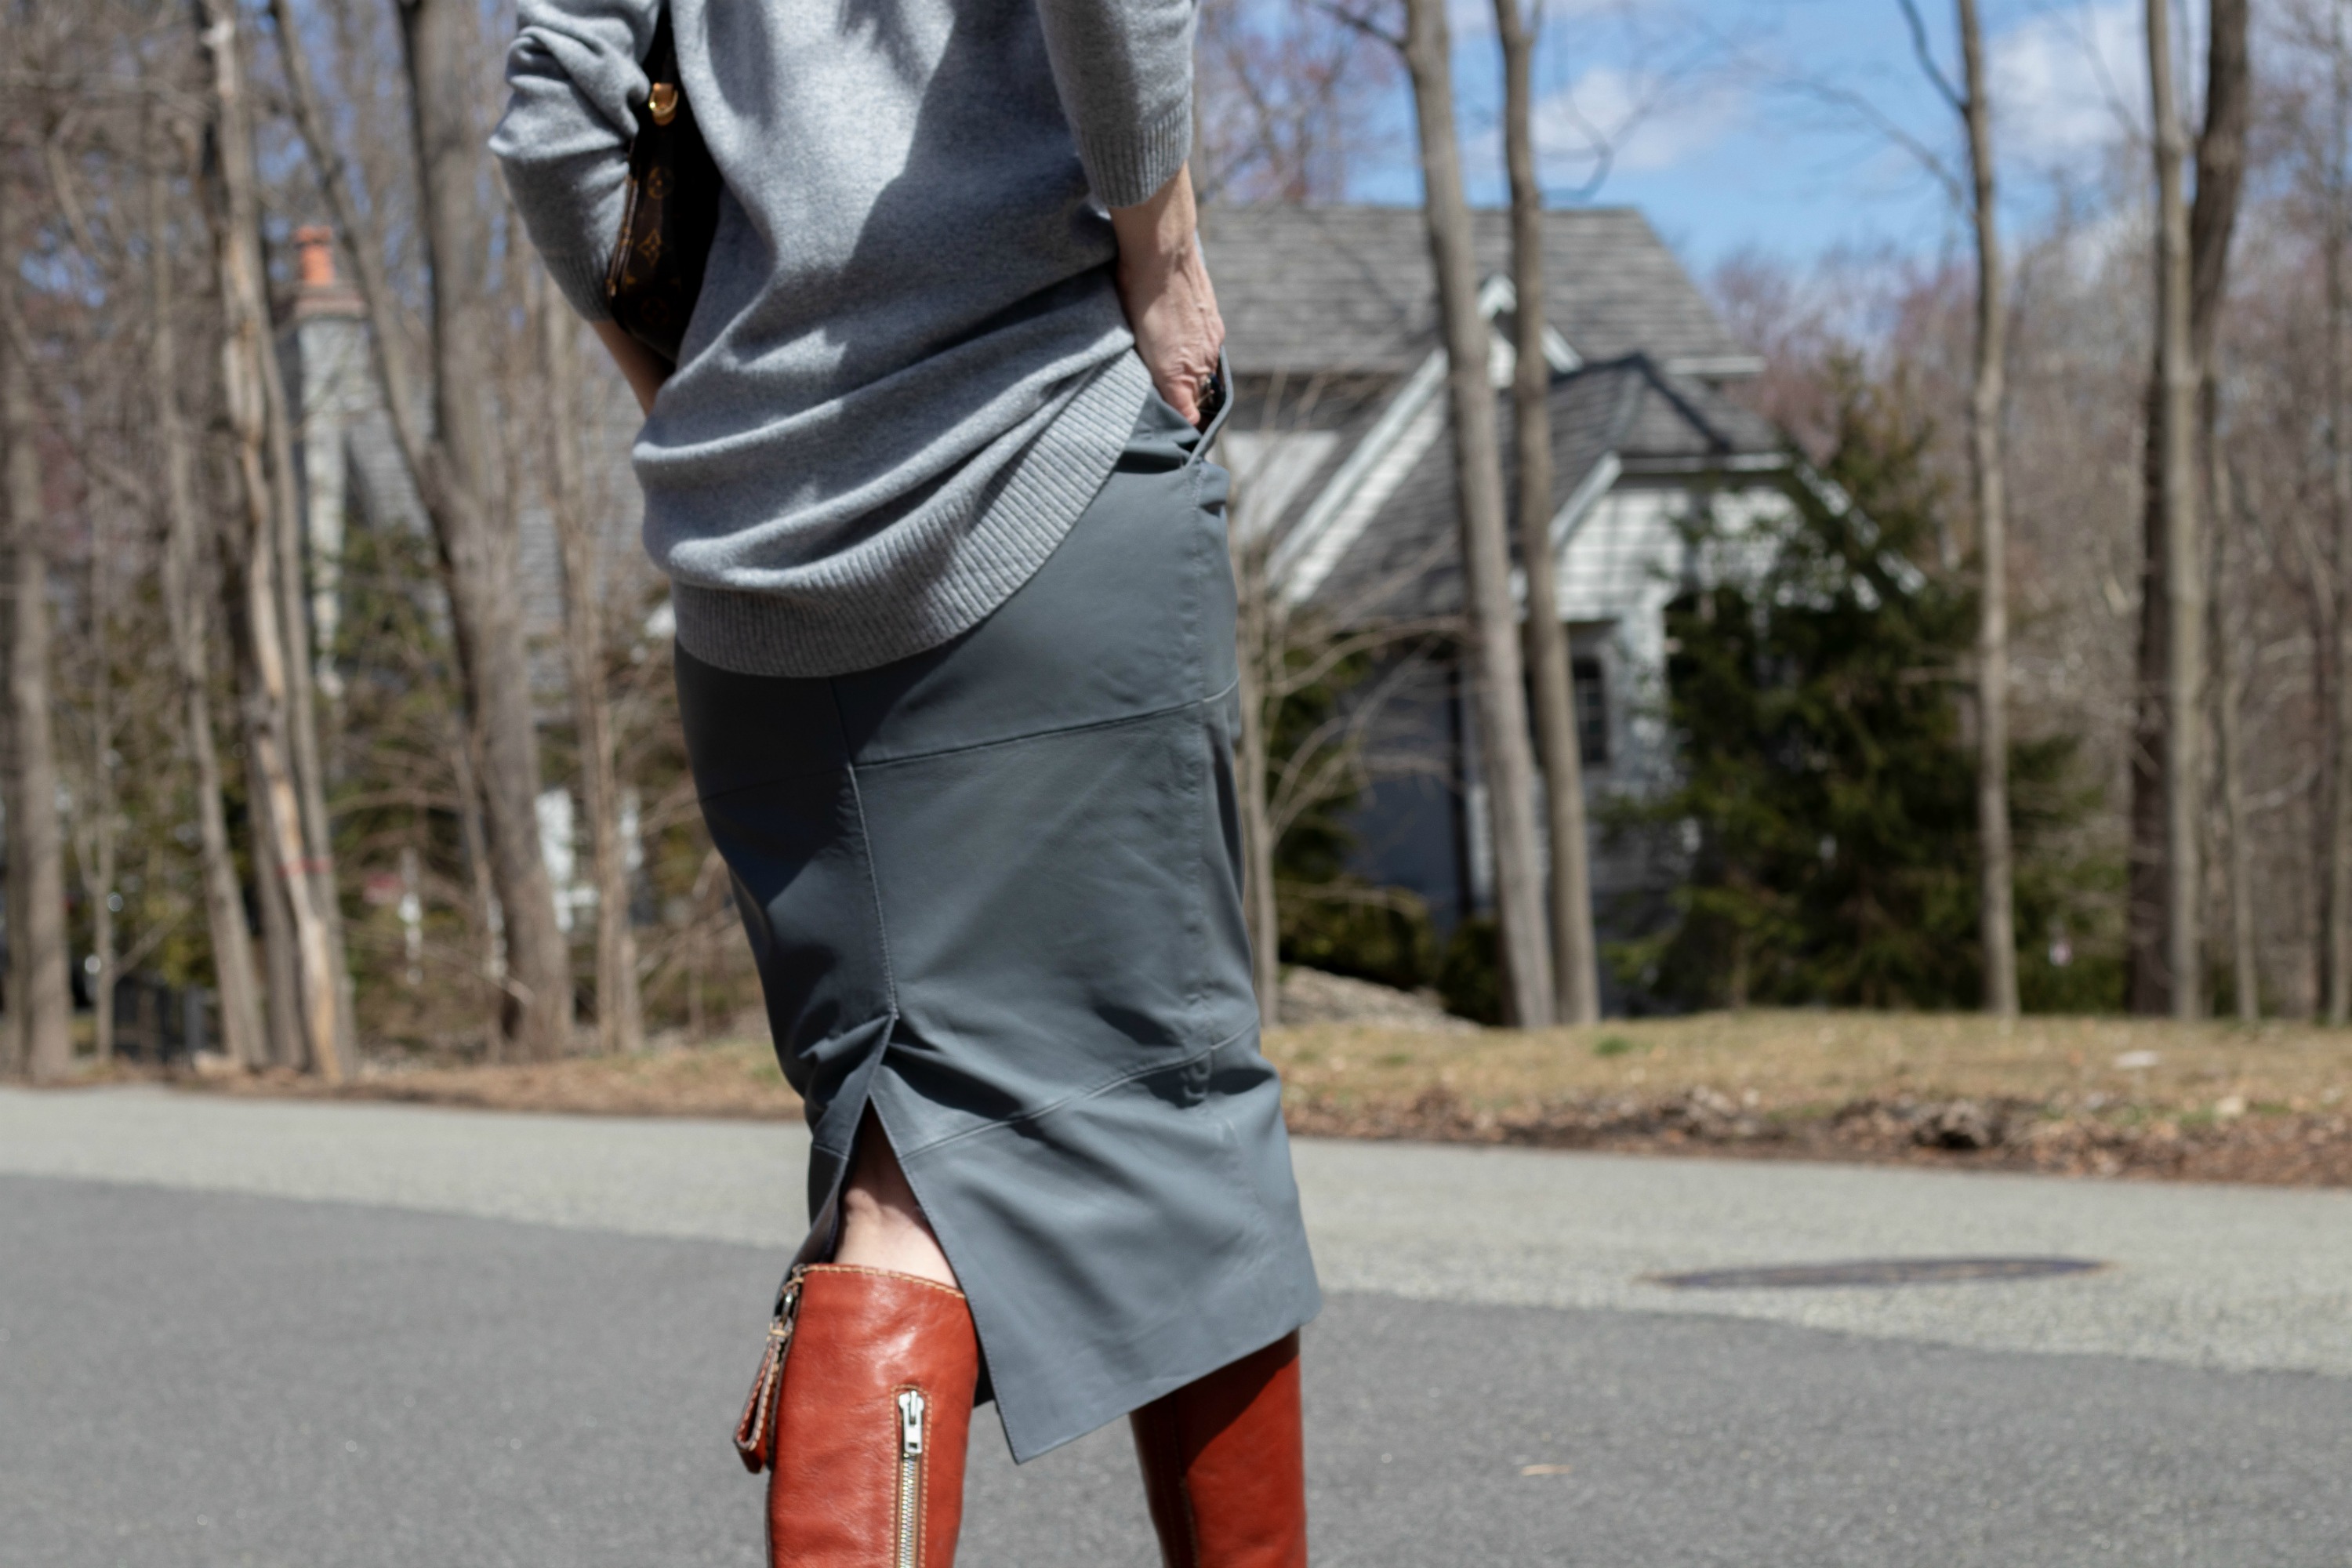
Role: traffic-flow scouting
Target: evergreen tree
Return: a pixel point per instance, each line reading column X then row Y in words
column 1815, row 700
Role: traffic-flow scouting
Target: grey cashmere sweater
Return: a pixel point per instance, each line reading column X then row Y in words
column 909, row 372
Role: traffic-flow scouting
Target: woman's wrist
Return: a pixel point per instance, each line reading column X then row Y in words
column 1164, row 284
column 1160, row 234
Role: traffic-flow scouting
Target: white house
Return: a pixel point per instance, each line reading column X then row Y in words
column 1338, row 445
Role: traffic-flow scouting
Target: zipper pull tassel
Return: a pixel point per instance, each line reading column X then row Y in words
column 910, row 1422
column 755, row 1433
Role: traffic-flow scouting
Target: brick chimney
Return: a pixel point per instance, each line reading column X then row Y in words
column 317, row 291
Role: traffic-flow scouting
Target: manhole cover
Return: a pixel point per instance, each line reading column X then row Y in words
column 1872, row 1271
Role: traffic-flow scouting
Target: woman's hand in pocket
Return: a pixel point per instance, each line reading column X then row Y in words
column 1164, row 286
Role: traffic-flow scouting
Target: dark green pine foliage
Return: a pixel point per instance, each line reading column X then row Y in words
column 1826, row 803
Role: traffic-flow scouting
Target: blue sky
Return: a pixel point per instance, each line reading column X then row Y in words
column 1748, row 123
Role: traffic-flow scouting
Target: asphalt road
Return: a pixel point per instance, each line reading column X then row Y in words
column 241, row 1333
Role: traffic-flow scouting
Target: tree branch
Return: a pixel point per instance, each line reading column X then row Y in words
column 1928, row 57
column 1363, row 25
column 1928, row 160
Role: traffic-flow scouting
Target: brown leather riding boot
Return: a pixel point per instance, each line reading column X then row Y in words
column 871, row 1417
column 1223, row 1468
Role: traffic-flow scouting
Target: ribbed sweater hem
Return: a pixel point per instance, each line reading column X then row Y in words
column 836, row 627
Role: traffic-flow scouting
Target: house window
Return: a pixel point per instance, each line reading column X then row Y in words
column 1592, row 713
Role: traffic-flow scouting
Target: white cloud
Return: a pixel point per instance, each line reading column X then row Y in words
column 2071, row 81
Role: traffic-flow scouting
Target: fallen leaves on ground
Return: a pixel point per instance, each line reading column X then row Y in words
column 2269, row 1103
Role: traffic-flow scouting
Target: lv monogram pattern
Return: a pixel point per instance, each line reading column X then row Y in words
column 670, row 216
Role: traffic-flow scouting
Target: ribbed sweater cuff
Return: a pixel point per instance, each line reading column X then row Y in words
column 1130, row 167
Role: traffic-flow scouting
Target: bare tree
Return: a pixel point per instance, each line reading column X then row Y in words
column 2228, row 747
column 443, row 43
column 620, row 1020
column 41, row 998
column 1976, row 195
column 2336, row 218
column 1287, row 95
column 1496, row 668
column 184, row 601
column 245, row 356
column 307, row 763
column 1576, row 970
column 2192, row 263
column 2081, row 346
column 452, row 465
column 1987, row 408
column 2175, row 566
column 2212, row 220
column 97, row 826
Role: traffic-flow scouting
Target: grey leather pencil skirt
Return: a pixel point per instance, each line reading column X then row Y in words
column 994, row 891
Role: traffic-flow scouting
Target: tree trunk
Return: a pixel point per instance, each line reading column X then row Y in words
column 1491, row 625
column 2146, row 985
column 442, row 44
column 2338, row 953
column 244, row 353
column 280, row 972
column 40, row 996
column 1576, row 969
column 2212, row 219
column 490, row 925
column 98, row 835
column 303, row 752
column 2324, row 652
column 620, row 1015
column 1988, row 476
column 2172, row 435
column 2245, row 979
column 185, row 611
column 450, row 464
column 304, row 1032
column 282, row 968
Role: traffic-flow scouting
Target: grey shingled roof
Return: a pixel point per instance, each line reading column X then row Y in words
column 1349, row 287
column 1407, row 565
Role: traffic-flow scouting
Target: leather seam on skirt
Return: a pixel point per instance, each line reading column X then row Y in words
column 1200, row 702
column 873, row 883
column 772, row 780
column 1076, row 1097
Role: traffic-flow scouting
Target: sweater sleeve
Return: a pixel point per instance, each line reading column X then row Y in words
column 1124, row 71
column 565, row 138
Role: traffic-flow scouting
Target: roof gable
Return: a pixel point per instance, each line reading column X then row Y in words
column 1323, row 289
column 1404, row 562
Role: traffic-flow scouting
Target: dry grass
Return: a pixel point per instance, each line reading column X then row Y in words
column 2072, row 1095
column 1827, row 1059
column 734, row 1078
column 2103, row 1097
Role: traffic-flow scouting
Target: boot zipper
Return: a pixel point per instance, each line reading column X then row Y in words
column 910, row 1477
